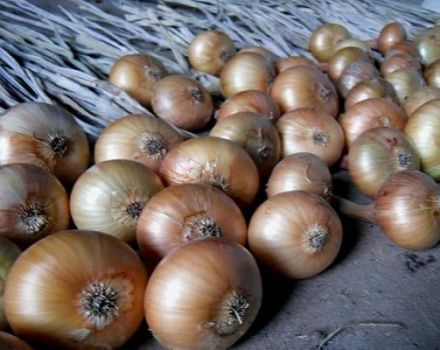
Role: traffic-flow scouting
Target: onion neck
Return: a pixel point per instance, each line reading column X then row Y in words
column 362, row 212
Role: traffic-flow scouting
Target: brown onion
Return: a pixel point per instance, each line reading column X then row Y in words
column 405, row 82
column 294, row 61
column 378, row 153
column 419, row 97
column 296, row 233
column 209, row 50
column 368, row 114
column 342, row 59
column 182, row 102
column 390, row 34
column 354, row 74
column 398, row 61
column 186, row 212
column 246, row 71
column 214, row 161
column 257, row 135
column 302, row 87
column 403, row 47
column 428, row 45
column 250, row 101
column 375, row 88
column 311, row 130
column 300, row 171
column 136, row 74
column 324, row 39
column 432, row 74
column 137, row 137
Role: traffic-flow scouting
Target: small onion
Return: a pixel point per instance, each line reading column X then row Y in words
column 432, row 74
column 44, row 135
column 270, row 56
column 110, row 196
column 11, row 342
column 354, row 74
column 350, row 42
column 375, row 88
column 419, row 97
column 257, row 135
column 186, row 212
column 246, row 71
column 209, row 50
column 296, row 233
column 294, row 61
column 203, row 295
column 300, row 171
column 182, row 102
column 250, row 101
column 302, row 87
column 9, row 252
column 378, row 153
column 33, row 203
column 423, row 128
column 214, row 161
column 399, row 61
column 428, row 45
column 390, row 34
column 342, row 59
column 137, row 137
column 311, row 130
column 76, row 290
column 136, row 74
column 405, row 81
column 368, row 114
column 325, row 38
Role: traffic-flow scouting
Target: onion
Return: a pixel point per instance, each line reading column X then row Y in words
column 354, row 74
column 294, row 61
column 390, row 34
column 405, row 81
column 419, row 98
column 399, row 61
column 343, row 58
column 428, row 45
column 324, row 39
column 375, row 88
column 432, row 74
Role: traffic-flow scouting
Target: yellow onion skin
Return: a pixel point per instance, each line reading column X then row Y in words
column 432, row 74
column 350, row 42
column 428, row 45
column 182, row 101
column 423, row 129
column 44, row 135
column 296, row 233
column 136, row 74
column 52, row 286
column 214, row 161
column 11, row 342
column 294, row 61
column 9, row 252
column 371, row 113
column 193, row 292
column 325, row 38
column 342, row 58
column 419, row 97
column 375, row 88
column 303, row 87
column 377, row 154
column 33, row 203
column 257, row 135
column 269, row 55
column 246, row 71
column 405, row 81
column 209, row 50
column 390, row 34
column 406, row 210
column 406, row 47
column 301, row 171
column 187, row 212
column 137, row 137
column 354, row 74
column 110, row 195
column 399, row 61
column 249, row 101
column 311, row 130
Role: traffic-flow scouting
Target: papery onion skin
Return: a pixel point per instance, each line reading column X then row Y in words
column 432, row 74
column 209, row 50
column 214, row 161
column 294, row 61
column 296, row 233
column 49, row 284
column 428, row 45
column 406, row 210
column 370, row 113
column 136, row 74
column 137, row 137
column 350, row 42
column 186, row 212
column 399, row 61
column 11, row 342
column 191, row 311
column 182, row 101
column 246, row 71
column 423, row 129
column 377, row 154
column 325, row 38
column 109, row 197
column 257, row 135
column 9, row 252
column 311, row 130
column 419, row 97
column 249, row 101
column 44, row 135
column 303, row 87
column 375, row 88
column 342, row 58
column 300, row 171
column 405, row 82
column 354, row 74
column 33, row 203
column 390, row 34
